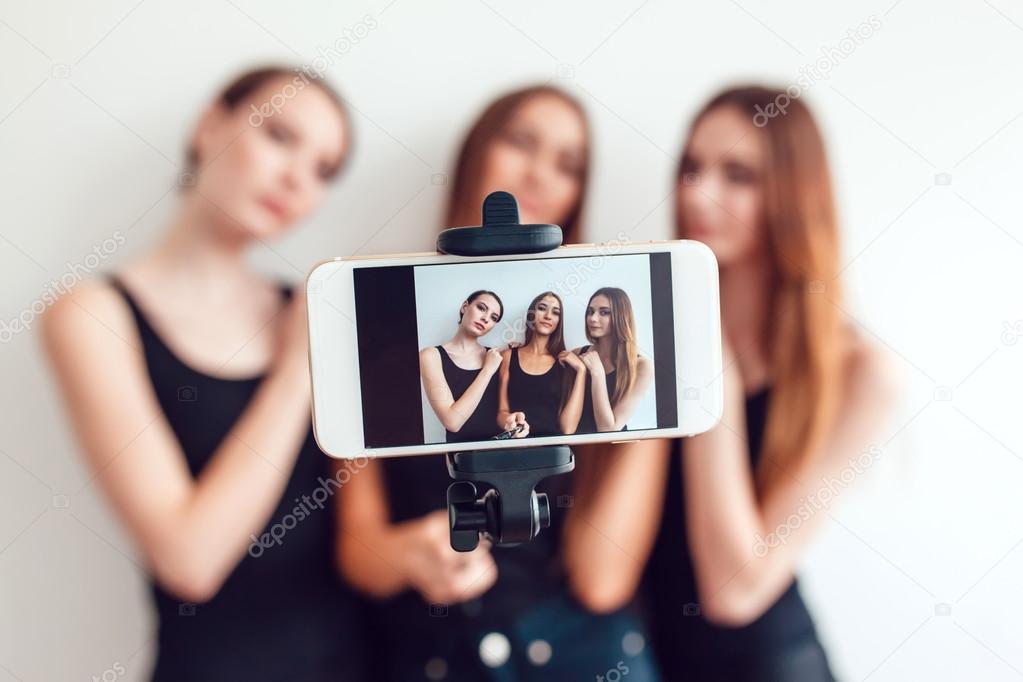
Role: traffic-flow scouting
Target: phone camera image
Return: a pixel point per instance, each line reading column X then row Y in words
column 539, row 347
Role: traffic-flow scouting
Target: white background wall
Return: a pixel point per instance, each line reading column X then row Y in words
column 916, row 573
column 442, row 288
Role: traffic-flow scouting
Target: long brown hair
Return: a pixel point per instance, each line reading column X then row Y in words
column 623, row 339
column 807, row 342
column 491, row 124
column 556, row 341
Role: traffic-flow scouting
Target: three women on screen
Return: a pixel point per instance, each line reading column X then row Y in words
column 537, row 388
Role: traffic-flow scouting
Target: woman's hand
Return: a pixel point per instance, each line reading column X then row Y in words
column 492, row 361
column 569, row 358
column 594, row 364
column 440, row 574
column 514, row 420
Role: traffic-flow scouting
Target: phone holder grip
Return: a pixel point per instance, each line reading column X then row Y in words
column 500, row 234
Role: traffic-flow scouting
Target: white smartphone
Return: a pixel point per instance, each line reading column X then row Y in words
column 396, row 342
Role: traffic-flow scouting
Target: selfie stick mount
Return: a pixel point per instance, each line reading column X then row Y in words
column 510, row 511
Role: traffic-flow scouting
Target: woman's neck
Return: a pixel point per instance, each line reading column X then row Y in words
column 463, row 342
column 746, row 287
column 605, row 349
column 537, row 345
column 199, row 256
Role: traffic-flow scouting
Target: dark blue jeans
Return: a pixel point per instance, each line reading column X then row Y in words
column 557, row 641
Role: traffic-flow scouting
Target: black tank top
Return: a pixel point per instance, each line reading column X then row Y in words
column 537, row 395
column 690, row 647
column 482, row 423
column 587, row 420
column 283, row 613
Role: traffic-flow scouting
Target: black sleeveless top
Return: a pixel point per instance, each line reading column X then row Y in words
column 780, row 645
column 482, row 423
column 283, row 613
column 537, row 395
column 587, row 420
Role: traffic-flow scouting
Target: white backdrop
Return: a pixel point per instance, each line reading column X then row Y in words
column 517, row 282
column 916, row 572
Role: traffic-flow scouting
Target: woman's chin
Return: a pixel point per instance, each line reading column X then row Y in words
column 259, row 226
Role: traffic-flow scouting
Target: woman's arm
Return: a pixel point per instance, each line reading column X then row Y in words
column 383, row 559
column 605, row 550
column 609, row 419
column 731, row 532
column 192, row 531
column 503, row 410
column 572, row 410
column 454, row 413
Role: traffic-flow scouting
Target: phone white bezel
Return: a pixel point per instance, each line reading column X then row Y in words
column 334, row 361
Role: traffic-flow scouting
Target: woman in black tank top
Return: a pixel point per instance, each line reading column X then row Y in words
column 609, row 377
column 211, row 464
column 465, row 400
column 806, row 394
column 535, row 397
column 527, row 613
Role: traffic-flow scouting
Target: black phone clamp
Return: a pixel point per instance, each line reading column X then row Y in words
column 509, row 511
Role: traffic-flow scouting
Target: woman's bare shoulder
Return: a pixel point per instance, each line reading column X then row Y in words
column 872, row 369
column 93, row 306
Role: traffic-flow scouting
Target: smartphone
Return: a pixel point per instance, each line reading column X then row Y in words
column 417, row 353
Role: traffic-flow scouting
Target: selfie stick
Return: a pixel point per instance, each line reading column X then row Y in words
column 511, row 511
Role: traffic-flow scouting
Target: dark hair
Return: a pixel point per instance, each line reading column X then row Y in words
column 243, row 85
column 490, row 124
column 476, row 294
column 556, row 343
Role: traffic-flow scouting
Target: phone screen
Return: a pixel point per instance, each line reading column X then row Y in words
column 428, row 374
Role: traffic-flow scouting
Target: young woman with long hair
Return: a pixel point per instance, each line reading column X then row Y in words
column 610, row 377
column 186, row 377
column 522, row 613
column 531, row 374
column 804, row 394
